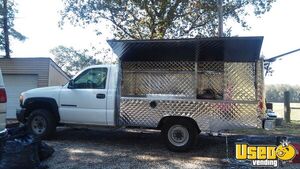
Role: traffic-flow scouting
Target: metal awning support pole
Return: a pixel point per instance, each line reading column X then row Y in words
column 220, row 17
column 272, row 59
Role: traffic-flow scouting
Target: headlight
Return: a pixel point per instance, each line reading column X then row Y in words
column 21, row 100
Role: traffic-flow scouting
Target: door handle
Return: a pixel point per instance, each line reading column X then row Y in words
column 100, row 96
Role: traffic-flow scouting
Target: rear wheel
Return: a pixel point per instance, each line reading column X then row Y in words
column 41, row 123
column 179, row 135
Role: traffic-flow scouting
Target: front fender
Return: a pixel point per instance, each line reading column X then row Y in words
column 41, row 103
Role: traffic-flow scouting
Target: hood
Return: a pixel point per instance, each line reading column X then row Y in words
column 44, row 89
column 49, row 92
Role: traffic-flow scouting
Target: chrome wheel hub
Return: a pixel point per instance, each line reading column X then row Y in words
column 38, row 125
column 178, row 135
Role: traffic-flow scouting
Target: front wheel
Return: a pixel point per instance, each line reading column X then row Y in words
column 179, row 135
column 41, row 123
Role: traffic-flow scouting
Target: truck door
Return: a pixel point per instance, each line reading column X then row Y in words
column 84, row 101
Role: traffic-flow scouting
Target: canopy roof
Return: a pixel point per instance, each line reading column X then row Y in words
column 230, row 49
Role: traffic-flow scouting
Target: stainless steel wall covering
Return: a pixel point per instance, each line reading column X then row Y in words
column 171, row 85
column 142, row 78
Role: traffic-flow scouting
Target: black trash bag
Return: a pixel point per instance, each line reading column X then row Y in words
column 44, row 151
column 21, row 150
column 17, row 132
column 20, row 153
column 3, row 137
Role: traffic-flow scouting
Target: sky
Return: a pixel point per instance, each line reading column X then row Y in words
column 38, row 21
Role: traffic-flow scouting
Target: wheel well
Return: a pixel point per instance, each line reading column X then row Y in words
column 164, row 120
column 42, row 104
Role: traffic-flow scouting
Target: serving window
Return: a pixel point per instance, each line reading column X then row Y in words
column 207, row 81
column 210, row 78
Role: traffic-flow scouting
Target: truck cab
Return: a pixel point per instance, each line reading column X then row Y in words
column 89, row 98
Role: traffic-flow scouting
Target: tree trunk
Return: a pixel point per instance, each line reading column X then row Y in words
column 5, row 30
column 287, row 107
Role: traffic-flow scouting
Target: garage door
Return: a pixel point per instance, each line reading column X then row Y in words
column 15, row 85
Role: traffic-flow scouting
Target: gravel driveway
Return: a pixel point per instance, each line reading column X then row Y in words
column 90, row 149
column 140, row 149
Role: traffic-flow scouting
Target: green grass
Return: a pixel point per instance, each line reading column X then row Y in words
column 279, row 109
column 292, row 129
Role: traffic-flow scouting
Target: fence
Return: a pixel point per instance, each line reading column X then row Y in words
column 287, row 107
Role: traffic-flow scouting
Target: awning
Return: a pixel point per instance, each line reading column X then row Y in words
column 229, row 49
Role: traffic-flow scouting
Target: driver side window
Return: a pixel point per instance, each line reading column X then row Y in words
column 91, row 79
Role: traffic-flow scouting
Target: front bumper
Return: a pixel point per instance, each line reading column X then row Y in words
column 21, row 115
column 3, row 135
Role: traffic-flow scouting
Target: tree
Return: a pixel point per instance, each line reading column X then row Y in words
column 152, row 19
column 275, row 93
column 71, row 60
column 10, row 15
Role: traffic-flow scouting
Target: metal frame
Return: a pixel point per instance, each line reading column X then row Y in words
column 170, row 85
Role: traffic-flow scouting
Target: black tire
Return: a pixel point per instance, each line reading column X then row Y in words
column 170, row 126
column 41, row 123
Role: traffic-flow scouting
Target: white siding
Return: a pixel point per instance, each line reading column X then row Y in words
column 56, row 76
column 15, row 85
column 39, row 66
column 21, row 74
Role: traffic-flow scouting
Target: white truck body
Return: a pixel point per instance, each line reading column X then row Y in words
column 80, row 106
column 200, row 92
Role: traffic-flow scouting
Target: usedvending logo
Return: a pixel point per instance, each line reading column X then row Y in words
column 265, row 155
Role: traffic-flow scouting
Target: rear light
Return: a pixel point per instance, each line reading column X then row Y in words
column 3, row 98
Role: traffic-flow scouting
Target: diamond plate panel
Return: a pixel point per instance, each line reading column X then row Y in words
column 239, row 81
column 236, row 82
column 260, row 80
column 211, row 66
column 141, row 79
column 260, row 88
column 210, row 116
column 158, row 66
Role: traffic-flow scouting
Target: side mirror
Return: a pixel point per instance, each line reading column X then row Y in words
column 71, row 84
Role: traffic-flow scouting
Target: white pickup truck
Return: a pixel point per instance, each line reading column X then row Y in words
column 89, row 98
column 181, row 87
column 3, row 100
